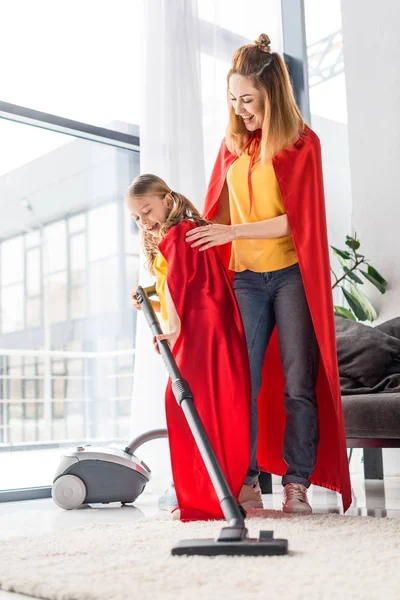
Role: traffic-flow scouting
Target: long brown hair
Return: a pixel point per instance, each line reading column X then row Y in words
column 283, row 122
column 181, row 209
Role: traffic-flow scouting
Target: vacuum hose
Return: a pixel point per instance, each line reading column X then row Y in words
column 154, row 434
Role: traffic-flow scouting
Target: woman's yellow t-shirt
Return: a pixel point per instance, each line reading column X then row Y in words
column 161, row 270
column 261, row 255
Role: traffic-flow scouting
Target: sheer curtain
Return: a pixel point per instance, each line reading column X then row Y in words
column 171, row 146
column 171, row 141
column 188, row 46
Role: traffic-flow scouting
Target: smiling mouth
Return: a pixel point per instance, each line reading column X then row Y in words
column 152, row 228
column 248, row 119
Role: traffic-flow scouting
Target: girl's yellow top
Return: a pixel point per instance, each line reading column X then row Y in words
column 257, row 255
column 161, row 269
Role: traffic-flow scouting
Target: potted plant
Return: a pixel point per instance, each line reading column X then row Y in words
column 355, row 269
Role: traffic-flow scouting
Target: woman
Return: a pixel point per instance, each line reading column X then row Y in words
column 266, row 200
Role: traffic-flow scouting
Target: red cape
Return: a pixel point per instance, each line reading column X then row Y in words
column 208, row 351
column 298, row 170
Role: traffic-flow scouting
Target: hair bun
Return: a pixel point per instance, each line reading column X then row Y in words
column 263, row 42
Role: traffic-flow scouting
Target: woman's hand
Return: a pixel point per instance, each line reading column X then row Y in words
column 170, row 337
column 210, row 235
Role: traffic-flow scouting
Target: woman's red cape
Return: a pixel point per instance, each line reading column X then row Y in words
column 298, row 170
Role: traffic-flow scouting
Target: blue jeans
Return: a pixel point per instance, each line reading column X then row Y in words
column 278, row 298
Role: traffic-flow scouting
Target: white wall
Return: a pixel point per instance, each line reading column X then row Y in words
column 335, row 162
column 371, row 58
column 335, row 159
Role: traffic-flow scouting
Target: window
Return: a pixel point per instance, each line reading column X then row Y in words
column 12, row 261
column 55, row 237
column 58, row 75
column 58, row 297
column 12, row 308
column 328, row 106
column 33, row 274
column 78, row 259
column 102, row 224
column 64, row 250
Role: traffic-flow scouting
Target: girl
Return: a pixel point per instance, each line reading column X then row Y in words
column 205, row 332
column 267, row 200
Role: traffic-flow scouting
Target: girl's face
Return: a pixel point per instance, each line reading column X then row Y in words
column 150, row 211
column 248, row 101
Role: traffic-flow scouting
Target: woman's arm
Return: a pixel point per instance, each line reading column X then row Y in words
column 217, row 235
column 223, row 214
column 265, row 230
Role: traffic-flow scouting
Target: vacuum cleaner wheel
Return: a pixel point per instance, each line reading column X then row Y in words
column 68, row 492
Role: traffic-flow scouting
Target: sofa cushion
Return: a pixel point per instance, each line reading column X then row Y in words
column 391, row 327
column 372, row 416
column 364, row 353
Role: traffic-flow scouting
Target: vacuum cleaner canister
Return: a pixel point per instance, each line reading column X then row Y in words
column 102, row 475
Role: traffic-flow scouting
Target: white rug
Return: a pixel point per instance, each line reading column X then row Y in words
column 331, row 557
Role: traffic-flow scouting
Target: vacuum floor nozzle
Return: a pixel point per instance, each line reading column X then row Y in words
column 265, row 545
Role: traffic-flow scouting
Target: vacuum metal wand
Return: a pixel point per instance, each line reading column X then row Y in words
column 185, row 399
column 233, row 539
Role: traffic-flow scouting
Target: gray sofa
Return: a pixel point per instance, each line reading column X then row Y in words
column 369, row 368
column 372, row 422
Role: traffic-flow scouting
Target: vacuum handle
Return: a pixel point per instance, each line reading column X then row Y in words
column 142, row 296
column 185, row 399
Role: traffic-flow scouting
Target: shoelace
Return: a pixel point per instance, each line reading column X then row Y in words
column 294, row 492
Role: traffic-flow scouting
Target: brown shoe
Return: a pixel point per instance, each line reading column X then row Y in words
column 250, row 496
column 295, row 499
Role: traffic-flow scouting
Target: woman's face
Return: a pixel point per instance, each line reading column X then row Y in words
column 149, row 211
column 248, row 101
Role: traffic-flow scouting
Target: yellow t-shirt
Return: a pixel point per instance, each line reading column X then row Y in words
column 161, row 269
column 257, row 255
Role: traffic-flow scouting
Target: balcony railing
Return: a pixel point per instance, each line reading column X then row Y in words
column 88, row 397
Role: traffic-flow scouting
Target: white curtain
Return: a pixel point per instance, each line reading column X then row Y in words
column 171, row 142
column 171, row 146
column 188, row 45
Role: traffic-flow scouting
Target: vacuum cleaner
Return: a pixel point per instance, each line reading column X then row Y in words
column 232, row 539
column 90, row 474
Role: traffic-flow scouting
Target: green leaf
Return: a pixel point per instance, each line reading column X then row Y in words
column 355, row 305
column 341, row 261
column 342, row 253
column 335, row 276
column 375, row 282
column 352, row 275
column 374, row 273
column 341, row 311
column 365, row 303
column 352, row 243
